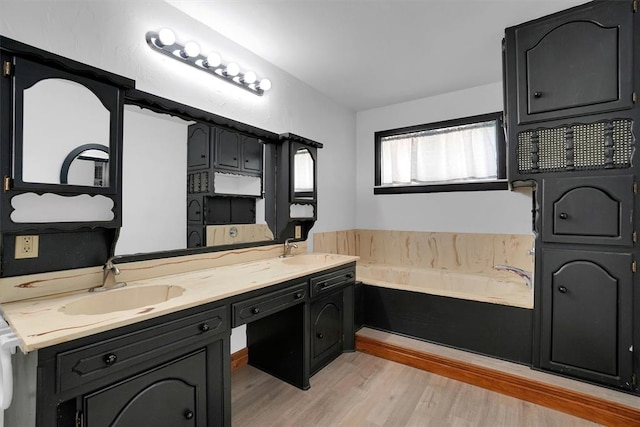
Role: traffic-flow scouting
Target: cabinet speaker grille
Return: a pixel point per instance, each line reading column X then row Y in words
column 601, row 145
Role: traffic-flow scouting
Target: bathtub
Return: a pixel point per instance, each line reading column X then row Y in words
column 489, row 314
column 497, row 288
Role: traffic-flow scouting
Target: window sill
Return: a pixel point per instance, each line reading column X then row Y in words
column 443, row 188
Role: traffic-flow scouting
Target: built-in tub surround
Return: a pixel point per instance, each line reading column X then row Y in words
column 460, row 265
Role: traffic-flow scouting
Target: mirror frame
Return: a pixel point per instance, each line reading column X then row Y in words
column 28, row 74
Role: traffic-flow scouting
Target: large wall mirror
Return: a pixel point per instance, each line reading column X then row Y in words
column 154, row 191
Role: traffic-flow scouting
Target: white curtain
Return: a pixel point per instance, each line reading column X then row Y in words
column 460, row 153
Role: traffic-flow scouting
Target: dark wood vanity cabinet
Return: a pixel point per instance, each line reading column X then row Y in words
column 572, row 63
column 326, row 329
column 171, row 395
column 170, row 371
column 330, row 322
column 587, row 303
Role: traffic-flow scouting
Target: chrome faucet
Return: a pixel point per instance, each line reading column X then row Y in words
column 526, row 275
column 287, row 248
column 109, row 273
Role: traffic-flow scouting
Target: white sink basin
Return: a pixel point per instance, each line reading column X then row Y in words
column 309, row 259
column 122, row 299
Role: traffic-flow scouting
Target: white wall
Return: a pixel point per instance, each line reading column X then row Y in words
column 110, row 35
column 470, row 212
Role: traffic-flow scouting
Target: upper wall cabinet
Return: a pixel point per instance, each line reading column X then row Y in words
column 573, row 63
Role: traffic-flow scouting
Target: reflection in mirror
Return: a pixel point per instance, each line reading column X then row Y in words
column 59, row 116
column 154, row 194
column 303, row 179
column 87, row 165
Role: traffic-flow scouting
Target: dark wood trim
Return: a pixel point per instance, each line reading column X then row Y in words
column 15, row 47
column 239, row 359
column 162, row 105
column 300, row 139
column 438, row 188
column 551, row 396
column 501, row 147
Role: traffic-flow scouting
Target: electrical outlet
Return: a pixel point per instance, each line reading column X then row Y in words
column 26, row 247
column 298, row 232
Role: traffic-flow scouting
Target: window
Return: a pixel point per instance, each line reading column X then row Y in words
column 455, row 155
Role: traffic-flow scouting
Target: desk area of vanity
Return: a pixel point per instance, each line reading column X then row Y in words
column 104, row 366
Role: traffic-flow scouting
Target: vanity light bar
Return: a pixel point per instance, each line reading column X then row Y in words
column 164, row 41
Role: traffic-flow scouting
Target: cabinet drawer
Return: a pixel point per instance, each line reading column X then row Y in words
column 586, row 210
column 141, row 349
column 330, row 281
column 259, row 307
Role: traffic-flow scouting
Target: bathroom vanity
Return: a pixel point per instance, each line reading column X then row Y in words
column 97, row 365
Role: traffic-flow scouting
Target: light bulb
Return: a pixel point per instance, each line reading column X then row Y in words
column 213, row 60
column 166, row 37
column 191, row 49
column 232, row 69
column 265, row 84
column 249, row 77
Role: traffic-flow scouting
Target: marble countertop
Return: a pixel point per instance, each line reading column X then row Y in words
column 45, row 321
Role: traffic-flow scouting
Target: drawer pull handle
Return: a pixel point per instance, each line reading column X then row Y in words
column 188, row 414
column 537, row 94
column 298, row 295
column 562, row 289
column 322, row 285
column 319, row 335
column 255, row 310
column 563, row 216
column 349, row 275
column 205, row 327
column 110, row 359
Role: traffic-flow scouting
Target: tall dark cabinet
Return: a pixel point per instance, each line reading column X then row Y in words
column 571, row 115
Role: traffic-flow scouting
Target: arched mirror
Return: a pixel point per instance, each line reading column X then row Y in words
column 87, row 165
column 303, row 175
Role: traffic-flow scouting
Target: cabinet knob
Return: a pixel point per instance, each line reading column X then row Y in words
column 322, row 285
column 563, row 215
column 255, row 310
column 188, row 414
column 110, row 359
column 562, row 289
column 298, row 295
column 319, row 335
column 537, row 94
column 202, row 156
column 349, row 275
column 205, row 327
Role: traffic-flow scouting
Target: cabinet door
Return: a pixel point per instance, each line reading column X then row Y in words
column 586, row 312
column 171, row 395
column 575, row 62
column 194, row 210
column 596, row 210
column 195, row 236
column 228, row 150
column 251, row 155
column 327, row 330
column 198, row 151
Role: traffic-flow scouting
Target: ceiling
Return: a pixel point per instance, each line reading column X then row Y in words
column 371, row 53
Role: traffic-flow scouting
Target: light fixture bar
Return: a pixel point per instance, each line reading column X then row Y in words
column 164, row 41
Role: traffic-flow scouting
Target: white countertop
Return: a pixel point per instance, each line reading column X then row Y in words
column 42, row 322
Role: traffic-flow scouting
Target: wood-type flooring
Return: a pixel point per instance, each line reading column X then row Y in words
column 362, row 390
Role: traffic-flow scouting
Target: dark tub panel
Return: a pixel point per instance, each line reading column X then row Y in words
column 494, row 330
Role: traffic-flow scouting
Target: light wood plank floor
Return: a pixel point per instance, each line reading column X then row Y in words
column 362, row 390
